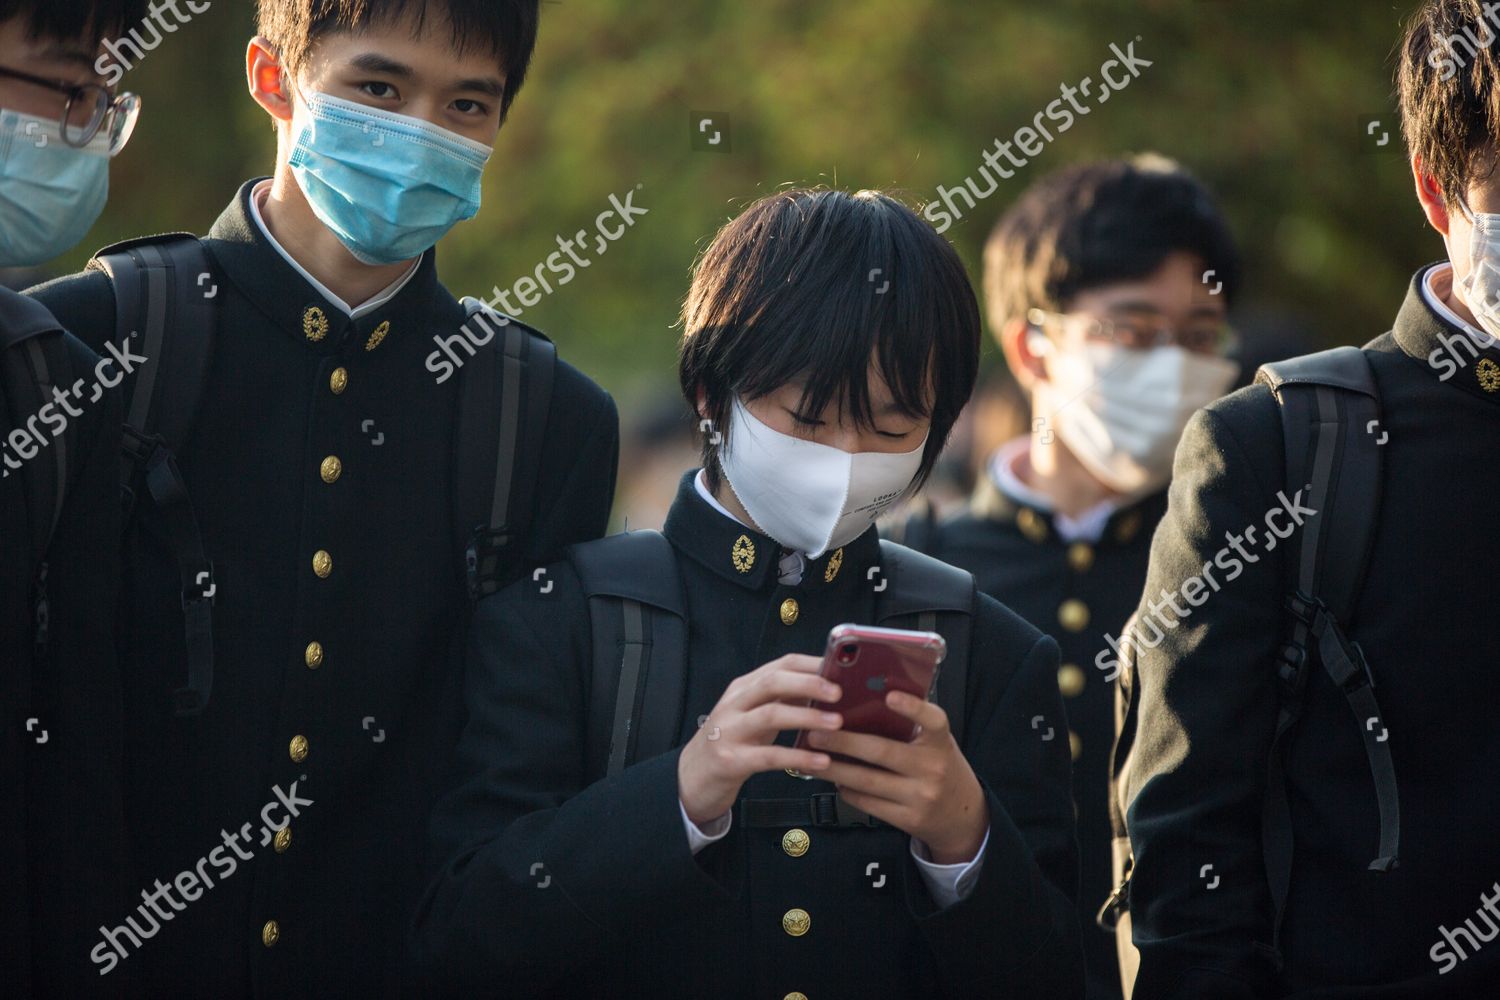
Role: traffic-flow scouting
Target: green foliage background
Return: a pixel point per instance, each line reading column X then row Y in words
column 1266, row 100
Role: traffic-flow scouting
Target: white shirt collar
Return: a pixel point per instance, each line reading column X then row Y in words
column 791, row 563
column 1435, row 284
column 257, row 195
column 1086, row 527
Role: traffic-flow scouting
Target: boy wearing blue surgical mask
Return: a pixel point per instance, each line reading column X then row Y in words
column 61, row 824
column 312, row 513
column 633, row 818
column 1107, row 287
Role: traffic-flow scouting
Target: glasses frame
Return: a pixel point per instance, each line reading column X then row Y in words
column 108, row 108
column 1162, row 335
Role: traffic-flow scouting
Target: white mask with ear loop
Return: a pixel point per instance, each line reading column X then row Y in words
column 810, row 497
column 1481, row 286
column 1121, row 411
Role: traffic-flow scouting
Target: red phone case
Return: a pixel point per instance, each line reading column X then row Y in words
column 867, row 661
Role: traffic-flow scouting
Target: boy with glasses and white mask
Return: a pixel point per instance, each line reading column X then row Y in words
column 1095, row 287
column 61, row 820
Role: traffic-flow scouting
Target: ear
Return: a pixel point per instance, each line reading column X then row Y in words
column 1016, row 344
column 267, row 79
column 1430, row 195
column 702, row 404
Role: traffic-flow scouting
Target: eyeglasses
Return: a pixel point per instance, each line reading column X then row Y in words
column 89, row 109
column 1214, row 337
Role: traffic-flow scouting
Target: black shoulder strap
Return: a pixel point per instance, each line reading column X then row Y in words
column 28, row 383
column 931, row 596
column 1330, row 408
column 638, row 619
column 166, row 317
column 497, row 461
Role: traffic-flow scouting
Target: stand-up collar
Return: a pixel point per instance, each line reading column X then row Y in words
column 249, row 260
column 1036, row 524
column 1448, row 352
column 752, row 559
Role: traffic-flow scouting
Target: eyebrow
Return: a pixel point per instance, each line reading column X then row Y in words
column 69, row 54
column 374, row 62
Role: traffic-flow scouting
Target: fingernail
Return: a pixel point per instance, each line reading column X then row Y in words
column 832, row 718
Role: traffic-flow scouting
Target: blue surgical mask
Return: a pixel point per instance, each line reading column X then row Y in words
column 388, row 186
column 50, row 192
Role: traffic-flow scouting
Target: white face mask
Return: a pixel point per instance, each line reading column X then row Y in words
column 1481, row 286
column 1121, row 411
column 810, row 497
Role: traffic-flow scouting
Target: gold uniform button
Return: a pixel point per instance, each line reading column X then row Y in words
column 795, row 842
column 331, row 468
column 1073, row 614
column 1070, row 680
column 789, row 611
column 313, row 655
column 1080, row 557
column 338, row 380
column 322, row 564
column 297, row 749
column 1128, row 527
column 283, row 840
column 1075, row 745
column 794, row 995
column 270, row 933
column 796, row 922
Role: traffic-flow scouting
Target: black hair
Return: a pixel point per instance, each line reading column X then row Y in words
column 810, row 285
column 507, row 27
column 66, row 20
column 1096, row 224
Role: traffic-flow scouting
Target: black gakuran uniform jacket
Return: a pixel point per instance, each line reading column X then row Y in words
column 554, row 883
column 1425, row 619
column 320, row 468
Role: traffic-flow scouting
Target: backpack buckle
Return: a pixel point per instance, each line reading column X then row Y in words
column 482, row 558
column 828, row 809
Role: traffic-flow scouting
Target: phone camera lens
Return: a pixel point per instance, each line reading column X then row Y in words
column 847, row 653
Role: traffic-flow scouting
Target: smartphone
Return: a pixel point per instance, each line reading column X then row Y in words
column 867, row 661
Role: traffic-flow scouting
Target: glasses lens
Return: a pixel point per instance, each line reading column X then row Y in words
column 86, row 111
column 124, row 113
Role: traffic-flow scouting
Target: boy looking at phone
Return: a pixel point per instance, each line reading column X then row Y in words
column 624, row 805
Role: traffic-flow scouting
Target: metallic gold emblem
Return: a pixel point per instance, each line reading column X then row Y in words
column 378, row 335
column 337, row 380
column 835, row 563
column 313, row 655
column 297, row 749
column 1073, row 614
column 1070, row 680
column 796, row 922
column 1488, row 374
column 283, row 840
column 1080, row 557
column 795, row 842
column 322, row 564
column 314, row 324
column 743, row 553
column 789, row 611
column 331, row 468
column 270, row 933
column 1031, row 524
column 1128, row 526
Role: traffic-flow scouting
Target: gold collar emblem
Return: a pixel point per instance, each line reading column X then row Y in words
column 835, row 563
column 1488, row 374
column 314, row 324
column 743, row 553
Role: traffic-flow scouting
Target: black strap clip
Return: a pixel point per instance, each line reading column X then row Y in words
column 828, row 809
column 482, row 559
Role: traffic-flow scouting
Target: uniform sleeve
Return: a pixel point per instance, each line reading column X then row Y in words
column 576, row 486
column 1198, row 897
column 539, row 873
column 1016, row 933
column 84, row 303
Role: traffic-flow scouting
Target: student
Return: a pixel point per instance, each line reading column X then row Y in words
column 1312, row 794
column 1094, row 283
column 595, row 852
column 61, row 824
column 278, row 789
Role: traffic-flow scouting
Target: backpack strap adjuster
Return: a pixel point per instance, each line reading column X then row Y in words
column 481, row 557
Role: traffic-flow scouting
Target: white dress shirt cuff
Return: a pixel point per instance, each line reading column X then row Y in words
column 699, row 838
column 947, row 884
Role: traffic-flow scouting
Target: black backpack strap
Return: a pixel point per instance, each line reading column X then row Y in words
column 638, row 619
column 28, row 384
column 498, row 461
column 164, row 311
column 1330, row 410
column 929, row 595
